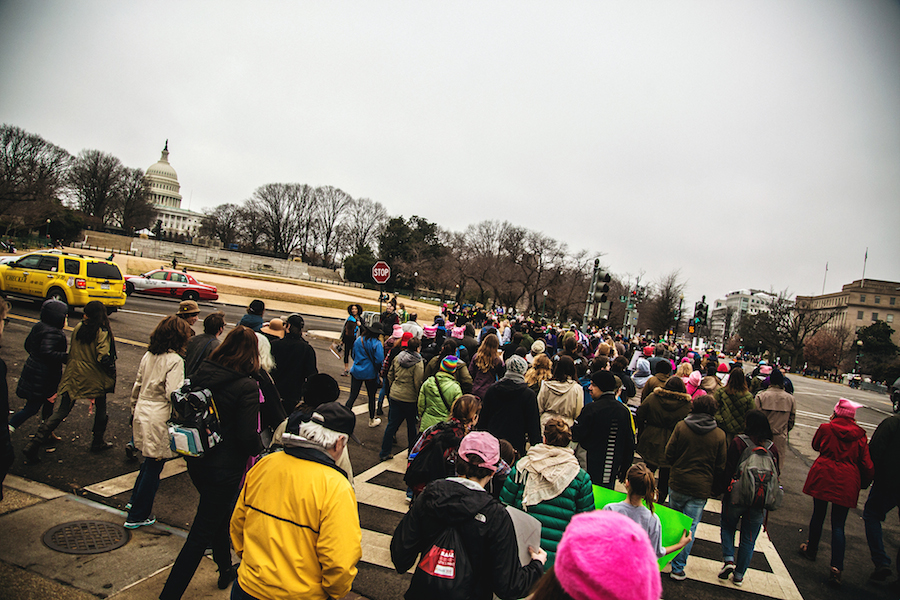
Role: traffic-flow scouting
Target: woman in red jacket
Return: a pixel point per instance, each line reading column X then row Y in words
column 841, row 471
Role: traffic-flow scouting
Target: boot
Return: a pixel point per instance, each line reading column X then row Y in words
column 98, row 445
column 31, row 451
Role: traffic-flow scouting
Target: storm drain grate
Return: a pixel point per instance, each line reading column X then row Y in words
column 86, row 537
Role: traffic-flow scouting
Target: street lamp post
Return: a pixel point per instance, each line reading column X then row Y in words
column 859, row 346
column 544, row 307
column 678, row 318
column 48, row 228
column 415, row 284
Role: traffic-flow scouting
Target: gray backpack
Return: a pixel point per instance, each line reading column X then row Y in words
column 755, row 483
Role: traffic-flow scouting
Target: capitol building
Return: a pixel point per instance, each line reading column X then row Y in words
column 166, row 199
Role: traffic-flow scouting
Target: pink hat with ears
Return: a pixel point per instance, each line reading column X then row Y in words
column 398, row 331
column 846, row 408
column 458, row 333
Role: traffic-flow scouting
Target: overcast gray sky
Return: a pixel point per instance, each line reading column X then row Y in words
column 745, row 143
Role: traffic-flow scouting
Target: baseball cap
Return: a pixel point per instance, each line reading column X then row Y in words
column 404, row 341
column 483, row 445
column 331, row 415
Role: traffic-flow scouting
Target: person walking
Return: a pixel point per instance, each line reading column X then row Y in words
column 295, row 362
column 160, row 373
column 884, row 450
column 550, row 485
column 90, row 373
column 7, row 454
column 662, row 370
column 486, row 366
column 697, row 453
column 254, row 317
column 405, row 378
column 510, row 411
column 438, row 393
column 484, row 528
column 780, row 408
column 349, row 333
column 305, row 541
column 217, row 475
column 368, row 354
column 562, row 396
column 656, row 419
column 759, row 433
column 734, row 401
column 200, row 346
column 603, row 430
column 841, row 470
column 539, row 371
column 47, row 347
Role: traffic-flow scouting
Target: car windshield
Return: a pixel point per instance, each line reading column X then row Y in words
column 103, row 271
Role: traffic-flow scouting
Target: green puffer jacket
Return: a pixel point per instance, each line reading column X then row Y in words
column 732, row 410
column 434, row 403
column 553, row 514
column 91, row 368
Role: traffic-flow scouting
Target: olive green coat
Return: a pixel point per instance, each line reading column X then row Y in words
column 85, row 376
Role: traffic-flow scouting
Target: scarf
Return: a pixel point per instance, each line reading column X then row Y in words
column 547, row 472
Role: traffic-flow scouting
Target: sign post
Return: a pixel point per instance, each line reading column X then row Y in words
column 381, row 272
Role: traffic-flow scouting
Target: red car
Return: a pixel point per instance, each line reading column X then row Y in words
column 171, row 284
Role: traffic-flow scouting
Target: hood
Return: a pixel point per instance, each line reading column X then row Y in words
column 452, row 502
column 53, row 313
column 607, row 402
column 213, row 375
column 642, row 369
column 407, row 359
column 559, row 388
column 701, row 423
column 709, row 383
column 508, row 385
column 846, row 429
column 670, row 400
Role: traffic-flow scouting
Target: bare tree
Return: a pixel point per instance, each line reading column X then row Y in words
column 252, row 226
column 31, row 168
column 96, row 179
column 223, row 223
column 667, row 291
column 361, row 226
column 787, row 325
column 331, row 203
column 131, row 209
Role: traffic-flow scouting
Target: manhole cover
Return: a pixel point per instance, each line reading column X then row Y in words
column 86, row 537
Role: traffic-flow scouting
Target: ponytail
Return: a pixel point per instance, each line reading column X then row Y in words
column 642, row 483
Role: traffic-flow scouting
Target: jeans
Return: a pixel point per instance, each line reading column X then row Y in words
column 838, row 542
column 692, row 507
column 238, row 593
column 397, row 413
column 382, row 393
column 145, row 488
column 751, row 522
column 30, row 409
column 219, row 488
column 371, row 389
column 881, row 501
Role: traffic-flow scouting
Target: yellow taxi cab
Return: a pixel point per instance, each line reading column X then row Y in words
column 70, row 278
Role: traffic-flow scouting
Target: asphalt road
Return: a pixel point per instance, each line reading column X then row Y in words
column 71, row 467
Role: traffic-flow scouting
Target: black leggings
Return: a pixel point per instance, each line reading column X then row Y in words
column 662, row 482
column 838, row 541
column 371, row 390
column 348, row 349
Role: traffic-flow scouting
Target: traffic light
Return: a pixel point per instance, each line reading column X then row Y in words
column 602, row 287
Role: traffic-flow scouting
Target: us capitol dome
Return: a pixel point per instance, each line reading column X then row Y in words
column 166, row 199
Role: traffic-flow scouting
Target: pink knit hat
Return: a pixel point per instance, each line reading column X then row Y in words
column 458, row 333
column 693, row 382
column 606, row 555
column 430, row 331
column 846, row 408
column 765, row 370
column 397, row 332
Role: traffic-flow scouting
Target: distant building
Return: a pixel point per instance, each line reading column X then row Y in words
column 727, row 312
column 859, row 304
column 166, row 199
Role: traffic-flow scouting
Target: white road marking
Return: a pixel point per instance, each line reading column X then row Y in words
column 123, row 483
column 146, row 314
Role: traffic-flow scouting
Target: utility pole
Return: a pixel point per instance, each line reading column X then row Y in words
column 589, row 304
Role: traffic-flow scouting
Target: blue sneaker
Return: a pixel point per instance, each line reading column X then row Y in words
column 135, row 524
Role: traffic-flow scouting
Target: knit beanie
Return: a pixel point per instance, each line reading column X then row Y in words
column 430, row 331
column 846, row 408
column 458, row 333
column 538, row 347
column 606, row 555
column 450, row 364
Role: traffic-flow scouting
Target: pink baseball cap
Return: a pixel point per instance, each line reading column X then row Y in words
column 482, row 444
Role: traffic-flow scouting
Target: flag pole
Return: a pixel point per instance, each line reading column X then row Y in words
column 826, row 279
column 865, row 260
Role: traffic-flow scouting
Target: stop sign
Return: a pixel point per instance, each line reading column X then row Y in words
column 381, row 272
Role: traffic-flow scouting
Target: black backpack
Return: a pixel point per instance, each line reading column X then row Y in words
column 444, row 571
column 194, row 428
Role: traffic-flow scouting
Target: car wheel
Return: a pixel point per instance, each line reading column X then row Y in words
column 895, row 397
column 129, row 288
column 191, row 296
column 57, row 294
column 110, row 310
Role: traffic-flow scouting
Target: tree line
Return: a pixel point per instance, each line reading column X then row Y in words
column 40, row 180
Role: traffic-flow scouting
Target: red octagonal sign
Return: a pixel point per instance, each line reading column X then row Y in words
column 381, row 272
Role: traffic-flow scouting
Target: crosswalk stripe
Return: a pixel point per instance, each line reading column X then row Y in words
column 124, row 483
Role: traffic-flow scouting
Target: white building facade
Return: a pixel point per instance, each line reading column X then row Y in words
column 727, row 312
column 166, row 199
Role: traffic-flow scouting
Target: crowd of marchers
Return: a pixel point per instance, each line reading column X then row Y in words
column 509, row 427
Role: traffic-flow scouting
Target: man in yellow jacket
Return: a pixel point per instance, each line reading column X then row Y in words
column 296, row 523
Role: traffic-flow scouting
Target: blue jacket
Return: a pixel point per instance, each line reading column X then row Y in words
column 368, row 354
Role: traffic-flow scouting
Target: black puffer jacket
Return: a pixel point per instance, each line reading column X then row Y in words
column 47, row 352
column 237, row 401
column 295, row 362
column 487, row 533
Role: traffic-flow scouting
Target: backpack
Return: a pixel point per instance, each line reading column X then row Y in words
column 755, row 482
column 194, row 428
column 444, row 571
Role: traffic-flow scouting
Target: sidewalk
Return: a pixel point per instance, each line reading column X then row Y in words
column 30, row 570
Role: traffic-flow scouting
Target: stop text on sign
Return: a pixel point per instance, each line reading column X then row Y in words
column 381, row 272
